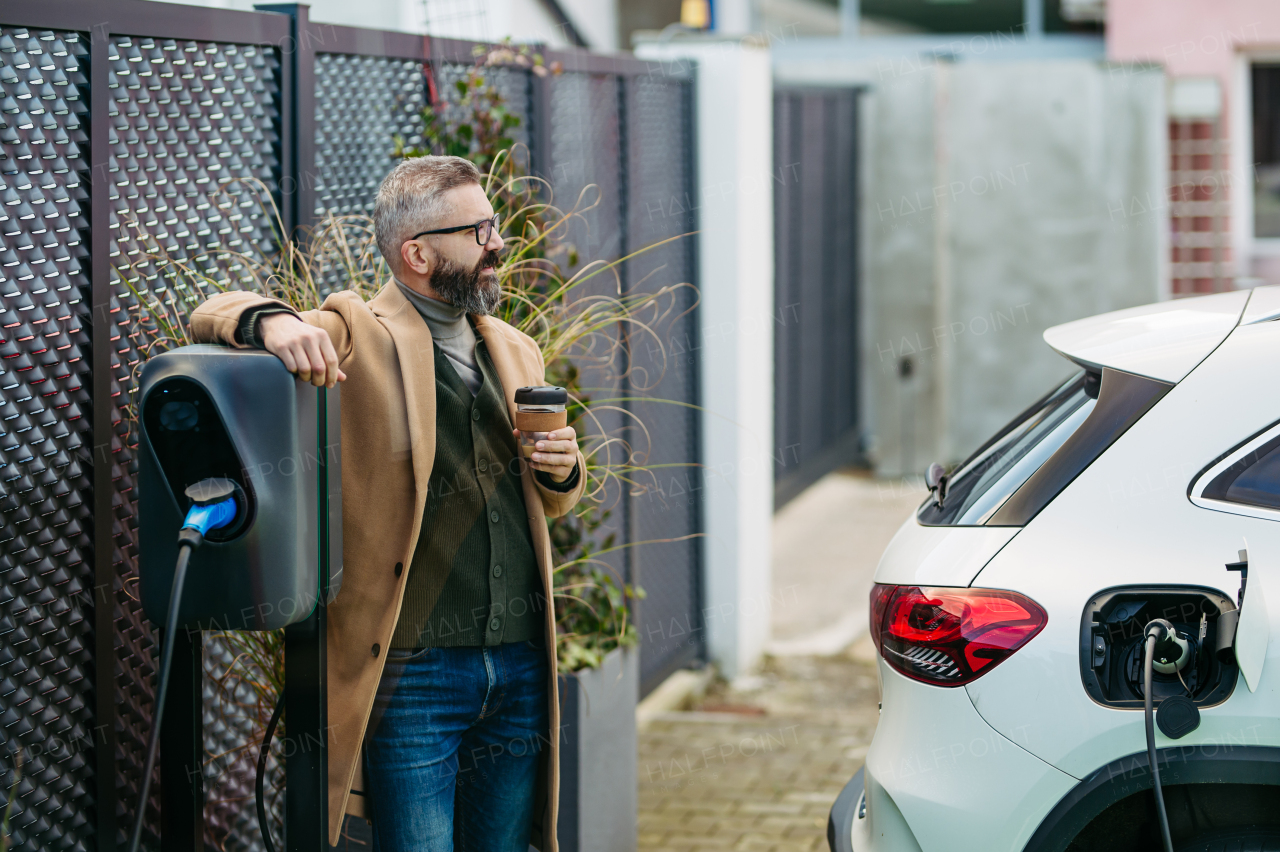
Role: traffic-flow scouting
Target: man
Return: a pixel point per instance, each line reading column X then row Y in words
column 441, row 643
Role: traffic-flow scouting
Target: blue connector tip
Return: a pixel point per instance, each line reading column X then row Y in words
column 204, row 519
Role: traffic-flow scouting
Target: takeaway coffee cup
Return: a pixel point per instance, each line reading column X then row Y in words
column 539, row 410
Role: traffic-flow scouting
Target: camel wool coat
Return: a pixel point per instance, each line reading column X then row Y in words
column 387, row 450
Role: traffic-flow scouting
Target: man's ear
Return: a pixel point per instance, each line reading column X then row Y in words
column 417, row 257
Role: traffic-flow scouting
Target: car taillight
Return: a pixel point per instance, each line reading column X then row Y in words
column 950, row 636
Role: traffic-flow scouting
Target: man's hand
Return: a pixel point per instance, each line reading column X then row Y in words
column 557, row 454
column 304, row 349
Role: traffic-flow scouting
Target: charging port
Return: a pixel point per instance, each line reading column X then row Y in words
column 1111, row 645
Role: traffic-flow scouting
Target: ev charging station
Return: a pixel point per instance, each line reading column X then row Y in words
column 240, row 504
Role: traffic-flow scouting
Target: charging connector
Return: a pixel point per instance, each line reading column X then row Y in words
column 1172, row 653
column 213, row 506
column 203, row 519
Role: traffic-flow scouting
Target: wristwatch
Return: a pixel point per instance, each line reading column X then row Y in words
column 248, row 330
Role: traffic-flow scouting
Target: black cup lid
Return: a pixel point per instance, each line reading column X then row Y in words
column 542, row 395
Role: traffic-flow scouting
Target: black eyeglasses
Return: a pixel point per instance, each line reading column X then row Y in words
column 484, row 230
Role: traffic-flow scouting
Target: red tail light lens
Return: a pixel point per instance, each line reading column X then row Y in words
column 950, row 637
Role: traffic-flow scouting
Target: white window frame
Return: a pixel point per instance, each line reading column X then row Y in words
column 1242, row 153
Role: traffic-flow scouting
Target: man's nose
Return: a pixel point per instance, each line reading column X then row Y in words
column 495, row 241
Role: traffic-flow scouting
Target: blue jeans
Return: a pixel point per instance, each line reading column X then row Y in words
column 452, row 755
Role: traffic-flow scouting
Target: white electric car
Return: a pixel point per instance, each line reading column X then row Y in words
column 1009, row 613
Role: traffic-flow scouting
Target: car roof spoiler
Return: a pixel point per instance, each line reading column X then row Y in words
column 1166, row 340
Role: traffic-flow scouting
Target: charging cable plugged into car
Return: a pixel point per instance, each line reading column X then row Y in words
column 1164, row 649
column 1167, row 650
column 239, row 505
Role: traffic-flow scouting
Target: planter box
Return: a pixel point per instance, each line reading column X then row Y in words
column 598, row 796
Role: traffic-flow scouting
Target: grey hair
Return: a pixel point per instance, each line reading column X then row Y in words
column 411, row 199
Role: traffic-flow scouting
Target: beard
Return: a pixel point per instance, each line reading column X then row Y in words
column 473, row 290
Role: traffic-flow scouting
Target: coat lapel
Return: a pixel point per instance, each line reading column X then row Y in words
column 414, row 352
column 412, row 340
column 504, row 360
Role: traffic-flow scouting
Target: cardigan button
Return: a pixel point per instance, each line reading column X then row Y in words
column 494, row 516
column 475, row 414
column 375, row 649
column 399, row 568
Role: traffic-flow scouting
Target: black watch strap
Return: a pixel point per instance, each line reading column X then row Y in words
column 570, row 482
column 250, row 319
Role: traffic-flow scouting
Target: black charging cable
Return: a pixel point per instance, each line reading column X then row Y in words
column 263, row 826
column 166, row 659
column 213, row 507
column 1157, row 631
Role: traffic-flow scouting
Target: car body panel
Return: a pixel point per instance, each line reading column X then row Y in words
column 880, row 827
column 1127, row 520
column 939, row 556
column 1163, row 341
column 1264, row 305
column 960, row 785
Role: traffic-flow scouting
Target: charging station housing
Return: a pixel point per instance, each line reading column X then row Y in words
column 209, row 411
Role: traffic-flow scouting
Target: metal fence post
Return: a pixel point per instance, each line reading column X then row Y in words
column 306, row 805
column 104, row 628
column 689, row 113
column 541, row 161
column 297, row 120
column 182, row 747
column 627, row 243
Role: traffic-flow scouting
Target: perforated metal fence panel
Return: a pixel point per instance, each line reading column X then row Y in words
column 46, row 569
column 233, row 719
column 194, row 163
column 815, row 330
column 585, row 166
column 665, row 508
column 362, row 104
column 203, row 126
column 513, row 84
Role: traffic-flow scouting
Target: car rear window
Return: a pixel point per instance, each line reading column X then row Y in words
column 981, row 484
column 1251, row 481
column 1028, row 463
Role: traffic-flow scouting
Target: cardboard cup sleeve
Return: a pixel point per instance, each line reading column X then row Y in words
column 541, row 421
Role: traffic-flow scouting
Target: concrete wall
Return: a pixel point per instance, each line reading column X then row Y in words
column 1000, row 198
column 735, row 280
column 900, row 377
column 1046, row 161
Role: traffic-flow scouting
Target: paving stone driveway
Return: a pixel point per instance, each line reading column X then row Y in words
column 757, row 768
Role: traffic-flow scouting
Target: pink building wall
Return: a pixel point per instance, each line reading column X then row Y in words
column 1190, row 38
column 1207, row 38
